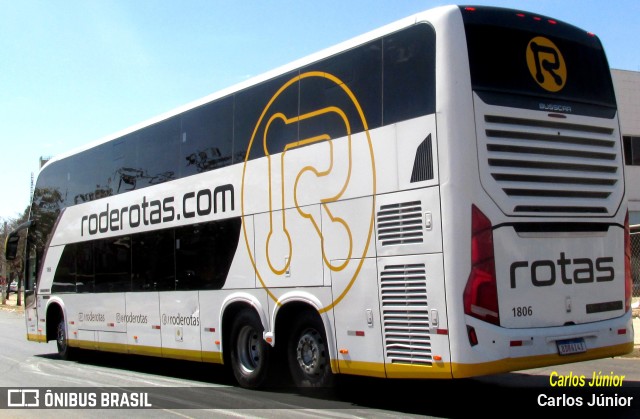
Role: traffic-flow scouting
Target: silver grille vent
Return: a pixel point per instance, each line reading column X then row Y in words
column 405, row 314
column 553, row 167
column 400, row 223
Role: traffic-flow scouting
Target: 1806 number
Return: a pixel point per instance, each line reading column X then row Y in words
column 523, row 311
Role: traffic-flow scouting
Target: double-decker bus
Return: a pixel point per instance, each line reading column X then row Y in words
column 440, row 198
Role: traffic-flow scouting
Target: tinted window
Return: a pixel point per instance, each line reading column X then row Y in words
column 207, row 137
column 85, row 278
column 125, row 163
column 360, row 70
column 153, row 267
column 112, row 264
column 90, row 175
column 204, row 253
column 249, row 105
column 498, row 43
column 158, row 152
column 47, row 202
column 409, row 74
column 64, row 279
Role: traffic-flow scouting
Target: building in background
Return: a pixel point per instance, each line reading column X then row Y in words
column 627, row 88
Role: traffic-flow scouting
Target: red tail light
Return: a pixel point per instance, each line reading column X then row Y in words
column 628, row 279
column 481, row 293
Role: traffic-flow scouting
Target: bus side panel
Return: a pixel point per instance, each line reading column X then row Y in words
column 80, row 334
column 347, row 232
column 101, row 312
column 180, row 325
column 31, row 320
column 357, row 320
column 210, row 328
column 288, row 247
column 97, row 313
column 143, row 323
column 112, row 341
column 348, row 235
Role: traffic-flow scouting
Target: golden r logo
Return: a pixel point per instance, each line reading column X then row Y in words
column 298, row 197
column 546, row 64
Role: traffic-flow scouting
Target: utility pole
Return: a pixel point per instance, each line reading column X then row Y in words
column 4, row 269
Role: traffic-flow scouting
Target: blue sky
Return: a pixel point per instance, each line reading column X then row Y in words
column 72, row 72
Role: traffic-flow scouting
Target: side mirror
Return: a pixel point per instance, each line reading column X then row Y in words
column 11, row 246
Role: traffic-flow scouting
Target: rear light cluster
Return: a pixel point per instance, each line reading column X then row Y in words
column 628, row 279
column 481, row 292
column 528, row 16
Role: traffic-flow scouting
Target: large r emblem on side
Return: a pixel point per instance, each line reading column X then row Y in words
column 288, row 183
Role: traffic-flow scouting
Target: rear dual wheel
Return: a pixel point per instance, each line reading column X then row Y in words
column 308, row 353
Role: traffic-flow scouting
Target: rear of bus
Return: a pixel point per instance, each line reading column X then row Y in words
column 532, row 184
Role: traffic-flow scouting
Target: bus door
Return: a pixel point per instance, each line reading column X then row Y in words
column 30, row 297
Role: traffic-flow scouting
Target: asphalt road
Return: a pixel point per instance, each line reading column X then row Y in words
column 179, row 389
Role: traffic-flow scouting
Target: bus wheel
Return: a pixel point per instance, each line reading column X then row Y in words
column 308, row 353
column 249, row 352
column 64, row 350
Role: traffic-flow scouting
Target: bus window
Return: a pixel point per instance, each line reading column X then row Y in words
column 206, row 142
column 153, row 267
column 112, row 261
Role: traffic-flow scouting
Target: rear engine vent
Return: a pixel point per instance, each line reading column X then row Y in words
column 405, row 314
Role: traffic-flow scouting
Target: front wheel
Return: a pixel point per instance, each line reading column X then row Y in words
column 249, row 352
column 308, row 353
column 62, row 341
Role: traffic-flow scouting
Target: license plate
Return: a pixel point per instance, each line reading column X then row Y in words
column 571, row 346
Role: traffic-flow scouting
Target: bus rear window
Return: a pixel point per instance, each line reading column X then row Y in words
column 533, row 56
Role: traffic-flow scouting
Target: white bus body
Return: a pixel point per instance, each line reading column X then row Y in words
column 460, row 229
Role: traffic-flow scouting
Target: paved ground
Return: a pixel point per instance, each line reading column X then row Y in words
column 10, row 304
column 636, row 330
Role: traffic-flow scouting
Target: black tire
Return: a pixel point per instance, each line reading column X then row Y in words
column 308, row 353
column 62, row 341
column 249, row 353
